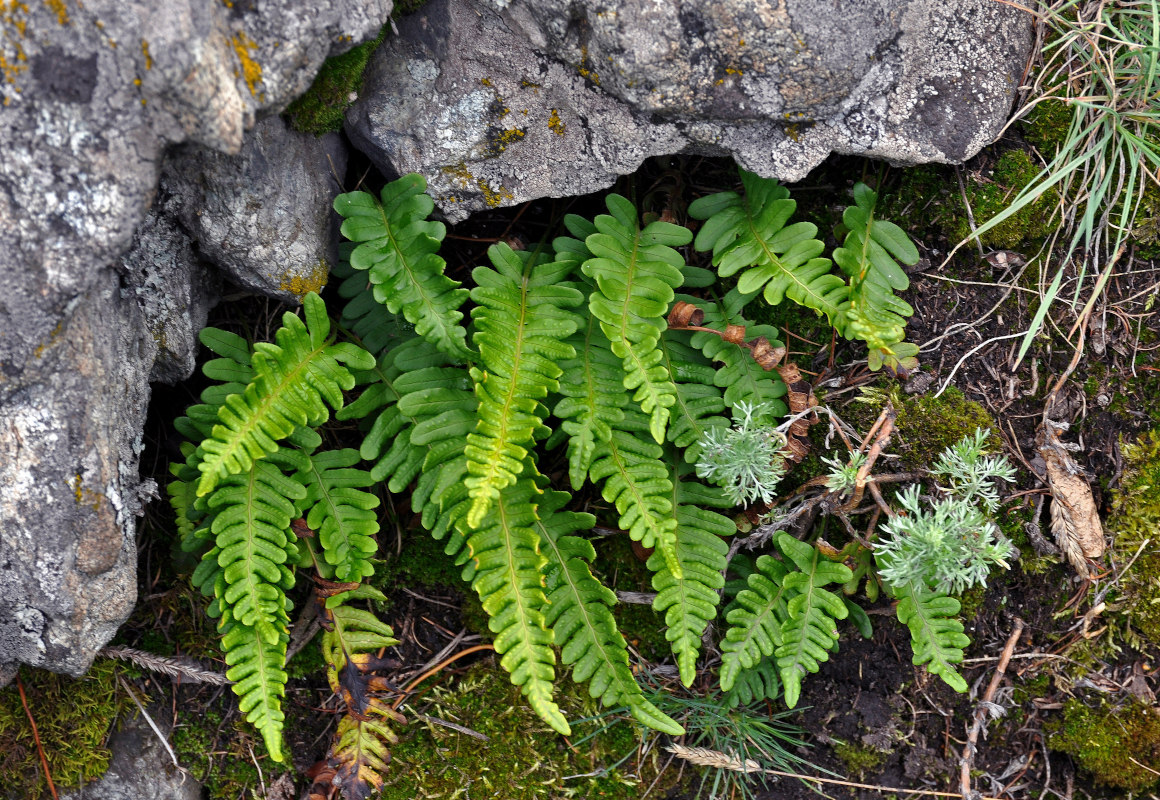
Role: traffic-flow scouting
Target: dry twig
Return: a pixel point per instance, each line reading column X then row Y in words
column 981, row 713
column 36, row 737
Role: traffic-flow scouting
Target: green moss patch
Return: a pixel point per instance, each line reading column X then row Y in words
column 322, row 109
column 1118, row 747
column 1135, row 518
column 860, row 760
column 927, row 425
column 73, row 716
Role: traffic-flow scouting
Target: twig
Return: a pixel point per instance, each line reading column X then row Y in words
column 149, row 719
column 435, row 669
column 704, row 757
column 453, row 726
column 36, row 737
column 636, row 598
column 981, row 712
column 167, row 666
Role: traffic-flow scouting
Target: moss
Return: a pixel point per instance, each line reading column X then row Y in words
column 1119, row 747
column 404, row 8
column 522, row 759
column 1013, row 171
column 217, row 754
column 73, row 716
column 322, row 109
column 971, row 601
column 927, row 425
column 1047, row 125
column 860, row 760
column 1135, row 518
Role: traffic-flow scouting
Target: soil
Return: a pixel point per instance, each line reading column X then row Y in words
column 867, row 696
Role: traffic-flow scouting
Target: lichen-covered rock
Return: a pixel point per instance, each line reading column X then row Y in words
column 498, row 103
column 91, row 97
column 264, row 215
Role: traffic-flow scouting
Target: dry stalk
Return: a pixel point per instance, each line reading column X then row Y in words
column 173, row 667
column 981, row 713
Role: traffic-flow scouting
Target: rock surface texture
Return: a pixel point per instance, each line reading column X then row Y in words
column 91, row 97
column 498, row 103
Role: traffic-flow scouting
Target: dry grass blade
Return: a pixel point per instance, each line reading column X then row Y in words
column 1075, row 521
column 167, row 666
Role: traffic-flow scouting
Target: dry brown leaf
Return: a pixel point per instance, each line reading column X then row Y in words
column 1075, row 521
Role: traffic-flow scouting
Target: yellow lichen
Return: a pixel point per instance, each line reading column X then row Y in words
column 302, row 285
column 251, row 70
column 485, row 81
column 12, row 66
column 145, row 52
column 58, row 8
column 554, row 123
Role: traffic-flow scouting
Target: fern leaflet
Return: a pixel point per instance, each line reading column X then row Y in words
column 522, row 323
column 255, row 667
column 399, row 246
column 699, row 403
column 810, row 632
column 936, row 637
column 742, row 378
column 755, row 621
column 342, row 515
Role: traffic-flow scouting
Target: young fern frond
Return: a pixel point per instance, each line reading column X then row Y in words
column 291, row 380
column 593, row 398
column 810, row 631
column 699, row 402
column 755, row 621
column 749, row 232
column 522, row 324
column 256, row 668
column 689, row 599
column 505, row 554
column 636, row 271
column 398, row 246
column 342, row 515
column 870, row 255
column 936, row 636
column 370, row 322
column 579, row 616
column 742, row 378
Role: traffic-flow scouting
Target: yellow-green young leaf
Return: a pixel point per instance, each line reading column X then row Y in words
column 255, row 667
column 936, row 636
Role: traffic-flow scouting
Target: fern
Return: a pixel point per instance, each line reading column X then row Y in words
column 753, row 685
column 578, row 614
column 810, row 631
column 398, row 247
column 699, row 402
column 636, row 272
column 367, row 320
column 749, row 232
column 755, row 620
column 742, row 378
column 689, row 599
column 936, row 637
column 256, row 668
column 507, row 566
column 522, row 321
column 873, row 313
column 292, row 378
column 342, row 515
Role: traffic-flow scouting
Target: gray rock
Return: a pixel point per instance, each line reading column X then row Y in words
column 560, row 97
column 141, row 768
column 91, row 97
column 264, row 215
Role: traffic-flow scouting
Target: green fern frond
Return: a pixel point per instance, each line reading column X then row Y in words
column 578, row 614
column 292, row 378
column 522, row 323
column 689, row 599
column 754, row 685
column 398, row 246
column 636, row 271
column 256, row 667
column 810, row 631
column 870, row 255
column 341, row 513
column 755, row 621
column 636, row 481
column 252, row 512
column 351, row 641
column 936, row 636
column 742, row 378
column 370, row 322
column 699, row 402
column 507, row 563
column 749, row 232
column 593, row 402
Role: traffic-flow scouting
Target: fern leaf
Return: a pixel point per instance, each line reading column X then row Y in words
column 754, row 685
column 522, row 323
column 755, row 621
column 505, row 555
column 362, row 750
column 636, row 271
column 578, row 614
column 593, row 402
column 699, row 402
column 341, row 513
column 689, row 599
column 742, row 378
column 870, row 255
column 749, row 232
column 255, row 667
column 936, row 637
column 810, row 631
column 398, row 246
column 370, row 322
column 252, row 512
column 292, row 378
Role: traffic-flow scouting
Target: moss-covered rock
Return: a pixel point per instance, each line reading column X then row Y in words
column 1013, row 172
column 1135, row 518
column 322, row 108
column 73, row 717
column 927, row 425
column 1118, row 747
